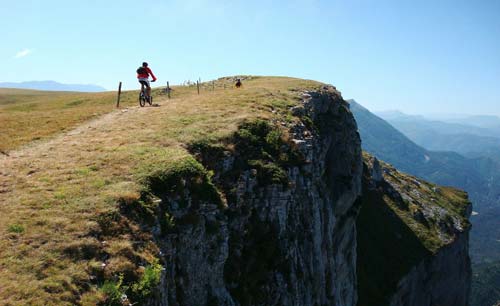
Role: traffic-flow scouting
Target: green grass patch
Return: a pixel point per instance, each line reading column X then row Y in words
column 15, row 228
column 144, row 288
column 114, row 291
column 117, row 293
column 163, row 179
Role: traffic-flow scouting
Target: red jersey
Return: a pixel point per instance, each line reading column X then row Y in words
column 147, row 74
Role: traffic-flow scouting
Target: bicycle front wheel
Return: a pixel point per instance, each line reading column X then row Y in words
column 142, row 100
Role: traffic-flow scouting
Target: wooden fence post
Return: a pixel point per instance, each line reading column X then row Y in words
column 168, row 89
column 119, row 94
column 198, row 86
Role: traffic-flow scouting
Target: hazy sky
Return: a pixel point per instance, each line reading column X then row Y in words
column 416, row 56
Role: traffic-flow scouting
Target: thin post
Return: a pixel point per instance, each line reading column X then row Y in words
column 213, row 85
column 198, row 86
column 168, row 89
column 119, row 94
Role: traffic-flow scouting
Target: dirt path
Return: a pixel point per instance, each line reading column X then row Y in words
column 21, row 168
column 32, row 148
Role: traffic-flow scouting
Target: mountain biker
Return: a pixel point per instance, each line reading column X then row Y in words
column 143, row 74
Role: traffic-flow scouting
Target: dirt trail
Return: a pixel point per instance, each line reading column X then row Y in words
column 32, row 149
column 67, row 150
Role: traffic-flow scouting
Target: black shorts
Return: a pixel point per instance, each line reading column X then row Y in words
column 144, row 82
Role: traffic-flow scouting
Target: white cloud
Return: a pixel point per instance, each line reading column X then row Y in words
column 23, row 53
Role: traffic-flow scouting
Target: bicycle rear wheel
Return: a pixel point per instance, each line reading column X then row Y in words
column 150, row 101
column 142, row 99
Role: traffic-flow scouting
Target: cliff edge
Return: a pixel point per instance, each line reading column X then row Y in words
column 245, row 196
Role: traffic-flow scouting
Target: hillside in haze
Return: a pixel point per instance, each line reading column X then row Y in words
column 483, row 121
column 480, row 177
column 53, row 86
column 470, row 136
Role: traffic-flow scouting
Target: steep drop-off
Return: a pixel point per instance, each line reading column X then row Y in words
column 412, row 240
column 245, row 196
column 284, row 231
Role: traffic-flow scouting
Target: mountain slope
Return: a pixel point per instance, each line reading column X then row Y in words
column 479, row 177
column 444, row 126
column 486, row 283
column 464, row 139
column 53, row 86
column 483, row 121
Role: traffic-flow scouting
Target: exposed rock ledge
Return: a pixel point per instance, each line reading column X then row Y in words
column 292, row 243
column 413, row 241
column 285, row 233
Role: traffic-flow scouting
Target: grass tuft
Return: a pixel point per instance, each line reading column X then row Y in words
column 16, row 228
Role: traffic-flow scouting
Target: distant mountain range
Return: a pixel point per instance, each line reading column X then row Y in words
column 474, row 136
column 484, row 121
column 53, row 86
column 478, row 175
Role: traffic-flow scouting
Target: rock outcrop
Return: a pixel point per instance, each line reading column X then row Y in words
column 275, row 222
column 413, row 241
column 428, row 283
column 285, row 230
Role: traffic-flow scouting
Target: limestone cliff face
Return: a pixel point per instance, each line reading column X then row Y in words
column 442, row 279
column 413, row 241
column 278, row 222
column 285, row 233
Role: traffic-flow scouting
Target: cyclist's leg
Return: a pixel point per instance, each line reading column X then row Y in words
column 149, row 90
column 145, row 83
column 142, row 85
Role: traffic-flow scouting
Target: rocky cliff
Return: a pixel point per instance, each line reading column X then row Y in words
column 249, row 196
column 275, row 224
column 412, row 240
column 281, row 229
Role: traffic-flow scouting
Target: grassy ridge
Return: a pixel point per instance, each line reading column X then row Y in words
column 61, row 231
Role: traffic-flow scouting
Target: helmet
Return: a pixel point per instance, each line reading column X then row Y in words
column 144, row 64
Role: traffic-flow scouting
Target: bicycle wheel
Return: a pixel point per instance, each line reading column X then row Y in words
column 142, row 100
column 150, row 101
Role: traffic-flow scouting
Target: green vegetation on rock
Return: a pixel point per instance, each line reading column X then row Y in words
column 403, row 220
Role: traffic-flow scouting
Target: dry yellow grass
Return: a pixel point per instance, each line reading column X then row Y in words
column 52, row 192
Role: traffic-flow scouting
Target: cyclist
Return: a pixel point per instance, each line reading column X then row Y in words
column 143, row 74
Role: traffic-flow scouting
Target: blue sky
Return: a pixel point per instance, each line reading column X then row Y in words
column 415, row 56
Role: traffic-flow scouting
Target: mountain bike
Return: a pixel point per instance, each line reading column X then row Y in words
column 143, row 97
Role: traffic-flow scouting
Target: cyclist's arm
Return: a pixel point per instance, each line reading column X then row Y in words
column 152, row 75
